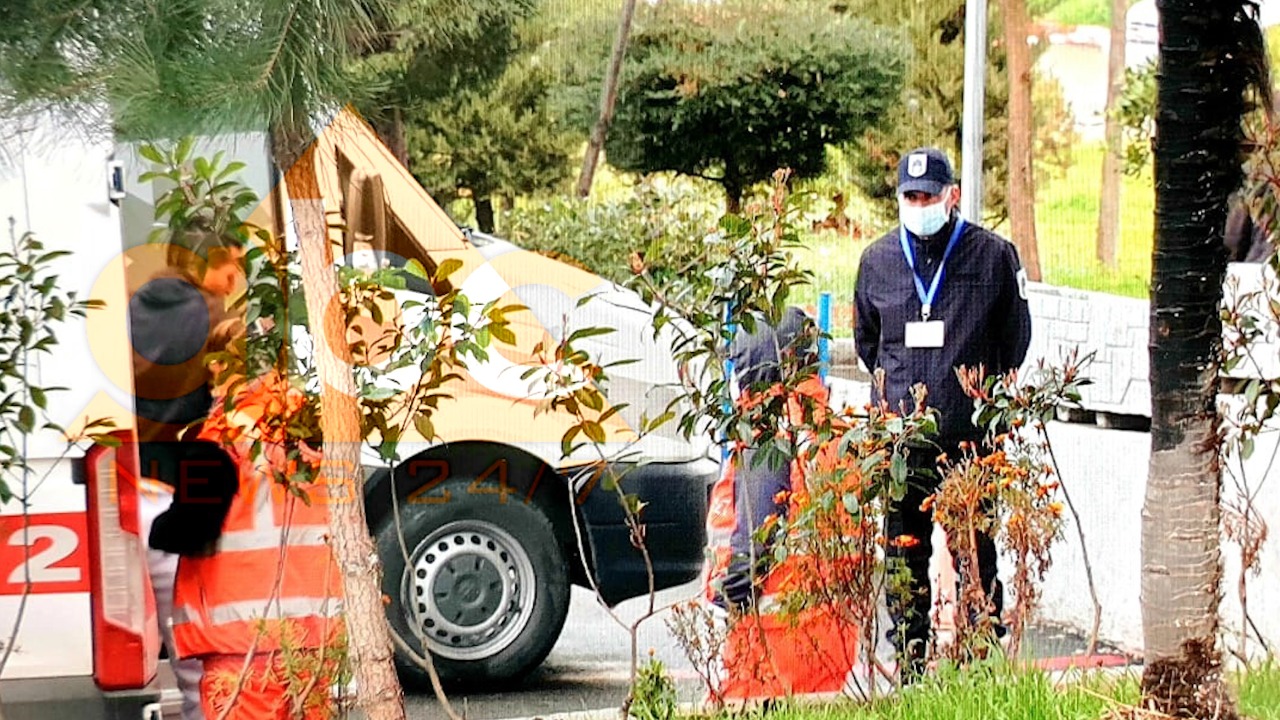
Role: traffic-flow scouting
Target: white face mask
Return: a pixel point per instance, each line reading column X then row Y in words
column 923, row 220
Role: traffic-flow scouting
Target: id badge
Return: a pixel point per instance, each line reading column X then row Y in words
column 925, row 334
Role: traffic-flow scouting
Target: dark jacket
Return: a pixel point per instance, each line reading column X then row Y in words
column 758, row 356
column 981, row 300
column 1246, row 240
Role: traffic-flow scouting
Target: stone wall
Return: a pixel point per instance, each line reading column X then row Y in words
column 1111, row 327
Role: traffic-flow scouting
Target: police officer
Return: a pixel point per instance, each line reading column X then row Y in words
column 933, row 294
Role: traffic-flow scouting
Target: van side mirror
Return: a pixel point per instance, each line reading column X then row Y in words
column 366, row 217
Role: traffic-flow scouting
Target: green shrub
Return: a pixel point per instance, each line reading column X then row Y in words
column 661, row 222
column 654, row 694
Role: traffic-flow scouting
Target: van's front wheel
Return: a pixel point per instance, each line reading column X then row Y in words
column 485, row 588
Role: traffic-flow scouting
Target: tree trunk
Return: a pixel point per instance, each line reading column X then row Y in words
column 1204, row 70
column 379, row 693
column 399, row 143
column 392, row 133
column 608, row 98
column 1109, row 201
column 1022, row 195
column 484, row 214
column 733, row 190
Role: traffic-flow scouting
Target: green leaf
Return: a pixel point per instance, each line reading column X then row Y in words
column 414, row 267
column 502, row 334
column 612, row 411
column 659, row 421
column 462, row 305
column 1251, row 392
column 447, row 268
column 183, row 151
column 151, row 153
column 38, row 397
column 898, row 469
column 232, row 167
column 26, row 419
column 591, row 398
column 379, row 393
column 566, row 442
column 582, row 333
column 594, row 431
column 424, row 426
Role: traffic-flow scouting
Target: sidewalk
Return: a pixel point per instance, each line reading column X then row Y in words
column 1057, row 649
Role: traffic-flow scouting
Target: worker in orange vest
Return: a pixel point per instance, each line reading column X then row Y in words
column 264, row 611
column 768, row 654
column 760, row 359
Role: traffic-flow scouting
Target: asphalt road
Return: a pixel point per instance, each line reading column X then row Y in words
column 588, row 668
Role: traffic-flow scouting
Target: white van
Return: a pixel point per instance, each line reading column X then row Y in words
column 488, row 512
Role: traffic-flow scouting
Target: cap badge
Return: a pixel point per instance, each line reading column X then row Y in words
column 917, row 164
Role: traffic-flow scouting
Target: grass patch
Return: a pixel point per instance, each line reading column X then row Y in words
column 999, row 691
column 1067, row 226
column 1259, row 691
column 980, row 694
column 1081, row 12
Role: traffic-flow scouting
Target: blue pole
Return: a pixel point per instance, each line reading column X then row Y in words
column 728, row 374
column 824, row 342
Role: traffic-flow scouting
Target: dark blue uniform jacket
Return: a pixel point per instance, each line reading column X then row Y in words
column 980, row 299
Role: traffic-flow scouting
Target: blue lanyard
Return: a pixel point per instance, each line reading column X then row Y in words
column 926, row 298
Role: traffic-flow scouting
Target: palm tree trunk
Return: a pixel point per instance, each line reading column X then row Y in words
column 484, row 214
column 1205, row 68
column 391, row 130
column 1109, row 201
column 1022, row 189
column 608, row 98
column 380, row 696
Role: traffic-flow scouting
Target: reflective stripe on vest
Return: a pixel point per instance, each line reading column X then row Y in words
column 273, row 537
column 273, row 575
column 256, row 610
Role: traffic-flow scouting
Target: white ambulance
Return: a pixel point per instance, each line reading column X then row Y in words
column 492, row 499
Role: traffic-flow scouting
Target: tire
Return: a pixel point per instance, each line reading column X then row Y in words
column 486, row 582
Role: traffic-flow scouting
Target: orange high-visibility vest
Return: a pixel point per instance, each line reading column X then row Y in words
column 272, row 581
column 768, row 654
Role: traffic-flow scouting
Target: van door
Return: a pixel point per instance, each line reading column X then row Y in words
column 71, row 563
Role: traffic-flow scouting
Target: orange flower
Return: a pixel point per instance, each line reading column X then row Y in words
column 906, row 541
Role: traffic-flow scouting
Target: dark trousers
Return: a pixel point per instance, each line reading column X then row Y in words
column 909, row 606
column 755, row 497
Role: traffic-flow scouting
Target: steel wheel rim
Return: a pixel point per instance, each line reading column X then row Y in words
column 481, row 587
